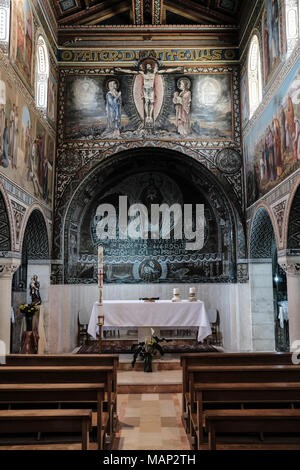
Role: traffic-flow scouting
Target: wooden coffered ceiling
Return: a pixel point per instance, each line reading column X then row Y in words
column 146, row 12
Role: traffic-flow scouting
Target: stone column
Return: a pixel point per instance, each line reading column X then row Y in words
column 8, row 266
column 291, row 265
column 262, row 304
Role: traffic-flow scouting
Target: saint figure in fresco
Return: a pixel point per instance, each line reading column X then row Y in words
column 290, row 123
column 182, row 102
column 266, row 47
column 275, row 29
column 12, row 127
column 148, row 70
column 113, row 108
column 5, row 142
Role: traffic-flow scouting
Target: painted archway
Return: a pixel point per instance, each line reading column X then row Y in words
column 184, row 171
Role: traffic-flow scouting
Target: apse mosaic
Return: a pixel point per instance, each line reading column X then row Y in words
column 272, row 147
column 149, row 99
column 160, row 259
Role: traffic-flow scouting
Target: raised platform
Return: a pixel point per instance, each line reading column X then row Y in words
column 123, row 346
column 166, row 375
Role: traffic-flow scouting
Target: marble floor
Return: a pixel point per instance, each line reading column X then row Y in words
column 150, row 421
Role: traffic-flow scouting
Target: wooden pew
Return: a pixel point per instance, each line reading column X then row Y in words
column 65, row 375
column 74, row 393
column 241, row 421
column 27, row 421
column 241, row 395
column 226, row 359
column 71, row 360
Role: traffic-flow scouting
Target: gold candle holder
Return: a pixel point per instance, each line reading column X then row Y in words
column 100, row 325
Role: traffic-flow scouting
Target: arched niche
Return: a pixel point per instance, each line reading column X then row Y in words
column 5, row 235
column 170, row 171
column 34, row 260
column 293, row 229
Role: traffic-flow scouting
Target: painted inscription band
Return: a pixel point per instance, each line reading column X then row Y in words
column 168, row 55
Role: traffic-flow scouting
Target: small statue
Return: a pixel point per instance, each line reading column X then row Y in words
column 35, row 290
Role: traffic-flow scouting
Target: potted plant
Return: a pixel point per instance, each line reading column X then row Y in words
column 147, row 350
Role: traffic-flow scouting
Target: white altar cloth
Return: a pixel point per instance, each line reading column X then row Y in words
column 136, row 313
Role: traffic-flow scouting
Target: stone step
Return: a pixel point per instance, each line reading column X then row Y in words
column 161, row 381
column 166, row 362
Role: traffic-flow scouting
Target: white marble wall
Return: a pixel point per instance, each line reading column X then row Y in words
column 262, row 306
column 66, row 301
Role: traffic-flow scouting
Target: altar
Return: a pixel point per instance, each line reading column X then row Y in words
column 146, row 315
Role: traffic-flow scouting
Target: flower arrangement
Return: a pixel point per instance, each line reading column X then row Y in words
column 147, row 350
column 28, row 309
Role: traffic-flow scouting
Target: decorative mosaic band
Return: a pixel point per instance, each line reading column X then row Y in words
column 138, row 14
column 157, row 8
column 131, row 55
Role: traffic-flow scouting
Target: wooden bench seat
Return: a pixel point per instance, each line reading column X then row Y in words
column 69, row 360
column 240, row 395
column 226, row 359
column 28, row 421
column 92, row 395
column 246, row 421
column 60, row 377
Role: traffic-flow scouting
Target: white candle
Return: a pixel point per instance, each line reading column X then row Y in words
column 192, row 290
column 175, row 291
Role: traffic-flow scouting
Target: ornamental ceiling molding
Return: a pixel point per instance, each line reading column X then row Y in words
column 14, row 78
column 148, row 28
column 273, row 86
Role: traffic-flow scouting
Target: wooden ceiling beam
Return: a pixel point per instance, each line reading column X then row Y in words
column 138, row 12
column 157, row 11
column 82, row 15
column 105, row 15
column 198, row 13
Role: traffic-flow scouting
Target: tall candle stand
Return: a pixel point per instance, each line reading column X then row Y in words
column 100, row 303
column 100, row 325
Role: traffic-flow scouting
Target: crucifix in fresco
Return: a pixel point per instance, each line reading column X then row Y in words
column 148, row 89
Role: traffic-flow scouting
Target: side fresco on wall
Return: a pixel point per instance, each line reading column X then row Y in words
column 22, row 38
column 272, row 146
column 26, row 148
column 269, row 26
column 271, row 34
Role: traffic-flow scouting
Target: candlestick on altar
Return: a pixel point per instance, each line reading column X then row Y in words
column 100, row 324
column 100, row 303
